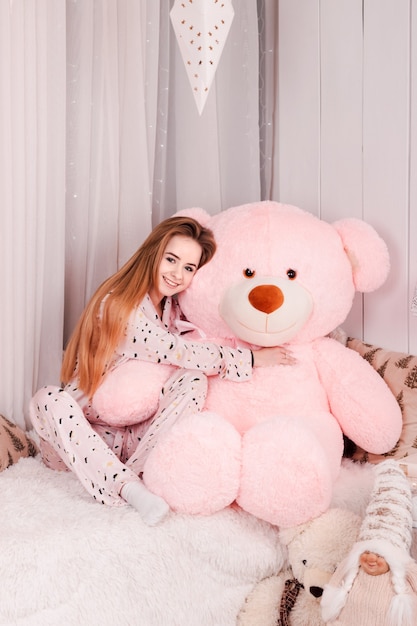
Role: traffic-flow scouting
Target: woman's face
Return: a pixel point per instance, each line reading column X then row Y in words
column 373, row 564
column 177, row 268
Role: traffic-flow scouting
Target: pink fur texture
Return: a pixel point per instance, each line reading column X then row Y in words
column 274, row 444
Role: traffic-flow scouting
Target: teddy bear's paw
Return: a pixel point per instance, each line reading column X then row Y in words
column 286, row 475
column 195, row 467
column 130, row 393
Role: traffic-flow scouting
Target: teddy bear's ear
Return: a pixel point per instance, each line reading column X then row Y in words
column 197, row 213
column 367, row 253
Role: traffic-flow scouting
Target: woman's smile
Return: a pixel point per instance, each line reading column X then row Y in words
column 171, row 283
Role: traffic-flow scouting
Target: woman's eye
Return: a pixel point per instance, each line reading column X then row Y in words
column 190, row 269
column 248, row 273
column 291, row 274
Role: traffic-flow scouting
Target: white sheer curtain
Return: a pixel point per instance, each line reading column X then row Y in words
column 32, row 175
column 110, row 143
column 101, row 139
column 137, row 148
column 210, row 160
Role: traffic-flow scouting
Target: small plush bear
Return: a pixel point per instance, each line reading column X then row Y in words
column 314, row 549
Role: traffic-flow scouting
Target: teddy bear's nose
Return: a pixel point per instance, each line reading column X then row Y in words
column 317, row 592
column 266, row 298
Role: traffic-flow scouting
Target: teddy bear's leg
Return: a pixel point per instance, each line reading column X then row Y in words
column 289, row 466
column 195, row 466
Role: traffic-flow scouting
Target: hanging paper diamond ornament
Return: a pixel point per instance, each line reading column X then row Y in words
column 201, row 28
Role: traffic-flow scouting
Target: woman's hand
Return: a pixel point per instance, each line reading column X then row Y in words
column 266, row 357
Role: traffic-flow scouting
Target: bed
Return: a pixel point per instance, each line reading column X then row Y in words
column 65, row 559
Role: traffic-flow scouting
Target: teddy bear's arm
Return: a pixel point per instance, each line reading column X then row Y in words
column 263, row 602
column 358, row 397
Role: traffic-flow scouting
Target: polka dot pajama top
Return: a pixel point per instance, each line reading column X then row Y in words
column 104, row 458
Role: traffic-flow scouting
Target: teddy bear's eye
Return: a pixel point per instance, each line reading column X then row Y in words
column 291, row 274
column 304, row 562
column 249, row 273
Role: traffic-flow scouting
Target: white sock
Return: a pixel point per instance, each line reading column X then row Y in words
column 151, row 508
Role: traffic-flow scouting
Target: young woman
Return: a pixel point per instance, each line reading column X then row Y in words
column 133, row 315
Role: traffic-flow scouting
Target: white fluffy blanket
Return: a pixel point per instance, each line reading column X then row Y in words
column 65, row 559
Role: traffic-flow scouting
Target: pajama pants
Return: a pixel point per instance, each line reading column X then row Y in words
column 105, row 458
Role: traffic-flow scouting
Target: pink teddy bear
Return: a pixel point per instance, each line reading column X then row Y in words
column 274, row 444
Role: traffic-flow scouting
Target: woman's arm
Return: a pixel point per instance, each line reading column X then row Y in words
column 148, row 341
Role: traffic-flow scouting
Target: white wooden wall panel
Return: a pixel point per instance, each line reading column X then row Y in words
column 341, row 108
column 341, row 51
column 348, row 137
column 386, row 158
column 412, row 238
column 298, row 110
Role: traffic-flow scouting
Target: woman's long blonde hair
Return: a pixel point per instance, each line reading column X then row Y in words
column 92, row 344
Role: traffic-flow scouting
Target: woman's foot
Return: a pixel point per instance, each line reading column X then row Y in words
column 151, row 508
